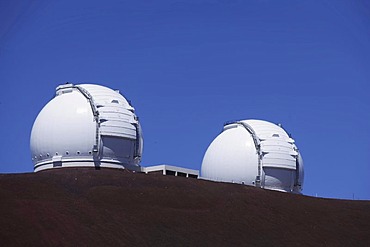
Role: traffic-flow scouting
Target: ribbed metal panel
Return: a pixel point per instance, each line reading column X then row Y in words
column 116, row 115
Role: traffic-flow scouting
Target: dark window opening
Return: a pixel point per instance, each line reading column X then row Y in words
column 192, row 176
column 181, row 174
column 170, row 173
column 57, row 164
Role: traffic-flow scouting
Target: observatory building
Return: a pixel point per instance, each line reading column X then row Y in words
column 257, row 153
column 86, row 126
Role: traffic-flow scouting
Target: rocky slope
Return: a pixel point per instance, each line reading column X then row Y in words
column 108, row 207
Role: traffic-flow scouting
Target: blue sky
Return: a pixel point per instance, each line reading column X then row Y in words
column 190, row 66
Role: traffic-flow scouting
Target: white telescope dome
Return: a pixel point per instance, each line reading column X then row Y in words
column 257, row 153
column 86, row 125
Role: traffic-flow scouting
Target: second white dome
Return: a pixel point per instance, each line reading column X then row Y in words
column 257, row 153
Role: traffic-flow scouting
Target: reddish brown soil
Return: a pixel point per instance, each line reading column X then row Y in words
column 108, row 207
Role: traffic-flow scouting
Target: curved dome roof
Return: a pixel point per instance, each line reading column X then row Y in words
column 86, row 125
column 254, row 152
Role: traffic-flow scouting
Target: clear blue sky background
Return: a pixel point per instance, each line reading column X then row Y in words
column 190, row 66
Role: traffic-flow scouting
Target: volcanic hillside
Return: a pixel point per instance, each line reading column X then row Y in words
column 109, row 207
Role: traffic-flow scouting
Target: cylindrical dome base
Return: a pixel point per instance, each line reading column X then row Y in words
column 84, row 163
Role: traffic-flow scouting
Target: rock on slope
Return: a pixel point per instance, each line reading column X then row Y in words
column 108, row 207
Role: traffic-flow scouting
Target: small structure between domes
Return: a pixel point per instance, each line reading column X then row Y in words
column 171, row 170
